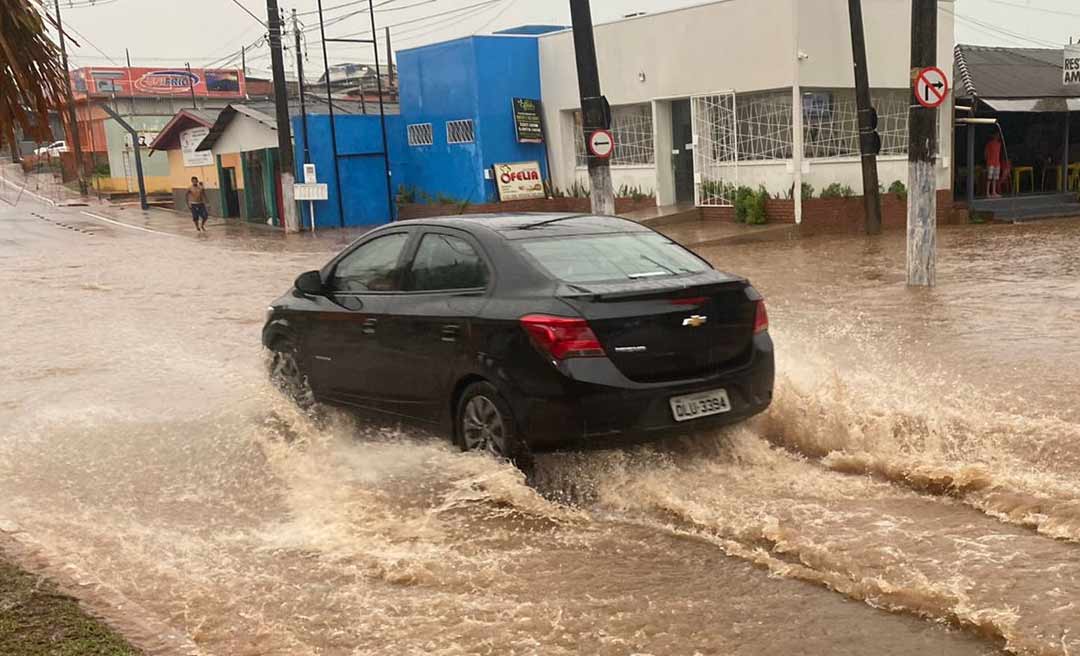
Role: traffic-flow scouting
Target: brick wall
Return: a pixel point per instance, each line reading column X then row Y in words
column 582, row 205
column 844, row 214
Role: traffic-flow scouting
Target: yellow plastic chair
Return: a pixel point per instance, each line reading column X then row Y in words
column 1020, row 171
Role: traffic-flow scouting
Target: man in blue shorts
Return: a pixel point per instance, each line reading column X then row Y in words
column 196, row 199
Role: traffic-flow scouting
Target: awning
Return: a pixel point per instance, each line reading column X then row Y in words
column 1048, row 105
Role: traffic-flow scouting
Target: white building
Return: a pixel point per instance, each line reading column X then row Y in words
column 702, row 97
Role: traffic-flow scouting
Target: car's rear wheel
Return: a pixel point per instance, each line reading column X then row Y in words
column 485, row 423
column 289, row 376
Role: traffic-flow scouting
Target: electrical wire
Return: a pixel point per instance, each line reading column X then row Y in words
column 1014, row 36
column 249, row 12
column 1042, row 10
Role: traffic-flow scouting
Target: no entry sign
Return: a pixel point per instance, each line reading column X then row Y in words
column 601, row 144
column 931, row 87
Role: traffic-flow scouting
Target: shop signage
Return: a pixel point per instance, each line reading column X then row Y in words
column 189, row 141
column 311, row 192
column 931, row 87
column 1072, row 66
column 601, row 144
column 527, row 121
column 156, row 82
column 519, row 181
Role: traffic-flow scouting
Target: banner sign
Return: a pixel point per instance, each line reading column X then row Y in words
column 189, row 141
column 1072, row 66
column 519, row 181
column 156, row 82
column 527, row 121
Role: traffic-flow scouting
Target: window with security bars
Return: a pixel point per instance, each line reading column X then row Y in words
column 421, row 134
column 460, row 132
column 763, row 126
column 831, row 122
column 632, row 129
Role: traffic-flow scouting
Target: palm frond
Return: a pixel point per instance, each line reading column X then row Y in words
column 32, row 78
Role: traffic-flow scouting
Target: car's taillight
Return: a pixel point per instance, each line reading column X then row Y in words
column 562, row 337
column 761, row 318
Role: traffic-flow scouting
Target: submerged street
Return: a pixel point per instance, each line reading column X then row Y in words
column 912, row 490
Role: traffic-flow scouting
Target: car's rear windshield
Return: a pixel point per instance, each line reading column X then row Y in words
column 623, row 256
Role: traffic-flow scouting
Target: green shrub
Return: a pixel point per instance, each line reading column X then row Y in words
column 807, row 191
column 743, row 199
column 836, row 190
column 756, row 212
column 899, row 188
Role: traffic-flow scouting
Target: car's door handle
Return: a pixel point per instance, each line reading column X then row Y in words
column 450, row 332
column 369, row 326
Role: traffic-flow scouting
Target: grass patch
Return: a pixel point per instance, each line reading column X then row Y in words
column 37, row 619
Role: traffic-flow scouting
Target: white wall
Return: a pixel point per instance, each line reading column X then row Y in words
column 245, row 134
column 741, row 45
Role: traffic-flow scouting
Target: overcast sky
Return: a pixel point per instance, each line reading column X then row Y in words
column 171, row 32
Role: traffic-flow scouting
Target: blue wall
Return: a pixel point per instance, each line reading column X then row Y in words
column 361, row 163
column 472, row 78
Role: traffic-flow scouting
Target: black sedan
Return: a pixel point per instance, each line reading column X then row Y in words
column 526, row 332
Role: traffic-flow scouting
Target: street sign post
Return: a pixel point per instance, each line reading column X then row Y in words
column 311, row 192
column 601, row 144
column 931, row 87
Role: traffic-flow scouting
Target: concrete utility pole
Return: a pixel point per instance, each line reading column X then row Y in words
column 869, row 139
column 73, row 120
column 390, row 62
column 922, row 181
column 300, row 79
column 796, row 115
column 281, row 100
column 595, row 112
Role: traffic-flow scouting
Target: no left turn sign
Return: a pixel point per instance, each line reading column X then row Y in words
column 931, row 87
column 601, row 144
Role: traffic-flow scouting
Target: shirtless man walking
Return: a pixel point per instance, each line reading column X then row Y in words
column 196, row 199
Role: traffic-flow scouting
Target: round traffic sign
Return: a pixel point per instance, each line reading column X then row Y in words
column 931, row 87
column 601, row 144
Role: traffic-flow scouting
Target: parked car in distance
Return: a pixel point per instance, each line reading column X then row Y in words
column 53, row 149
column 526, row 332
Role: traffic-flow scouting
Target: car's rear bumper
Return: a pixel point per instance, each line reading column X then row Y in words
column 581, row 415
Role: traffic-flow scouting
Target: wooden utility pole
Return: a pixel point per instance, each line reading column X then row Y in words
column 73, row 120
column 281, row 101
column 595, row 112
column 922, row 181
column 869, row 139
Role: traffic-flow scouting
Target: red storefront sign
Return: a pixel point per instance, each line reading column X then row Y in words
column 155, row 82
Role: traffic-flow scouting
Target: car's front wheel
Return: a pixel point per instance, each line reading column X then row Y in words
column 288, row 376
column 485, row 423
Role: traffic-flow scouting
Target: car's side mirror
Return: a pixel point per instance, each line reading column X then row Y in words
column 310, row 283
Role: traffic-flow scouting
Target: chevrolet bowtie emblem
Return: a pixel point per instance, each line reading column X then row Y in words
column 695, row 321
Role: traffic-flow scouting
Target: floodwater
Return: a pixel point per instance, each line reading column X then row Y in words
column 913, row 489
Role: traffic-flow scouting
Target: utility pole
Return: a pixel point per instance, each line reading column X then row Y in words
column 595, row 111
column 922, row 182
column 390, row 62
column 869, row 139
column 300, row 78
column 191, row 85
column 382, row 114
column 281, row 100
column 73, row 120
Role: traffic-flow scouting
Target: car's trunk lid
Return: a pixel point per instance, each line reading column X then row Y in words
column 673, row 328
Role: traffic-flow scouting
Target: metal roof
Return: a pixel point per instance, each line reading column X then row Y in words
column 989, row 73
column 185, row 119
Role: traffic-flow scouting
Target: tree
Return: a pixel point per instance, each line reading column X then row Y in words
column 32, row 78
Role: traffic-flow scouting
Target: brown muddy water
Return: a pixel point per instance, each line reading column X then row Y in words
column 913, row 490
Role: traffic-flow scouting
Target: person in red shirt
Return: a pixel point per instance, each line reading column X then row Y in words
column 993, row 166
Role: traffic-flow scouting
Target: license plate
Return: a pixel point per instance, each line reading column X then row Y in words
column 703, row 404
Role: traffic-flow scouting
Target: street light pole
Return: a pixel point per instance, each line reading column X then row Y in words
column 73, row 121
column 922, row 183
column 595, row 112
column 869, row 140
column 281, row 101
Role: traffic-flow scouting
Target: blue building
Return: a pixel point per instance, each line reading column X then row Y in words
column 457, row 121
column 457, row 104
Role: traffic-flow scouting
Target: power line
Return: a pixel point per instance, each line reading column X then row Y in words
column 249, row 13
column 1042, row 10
column 1014, row 36
column 429, row 17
